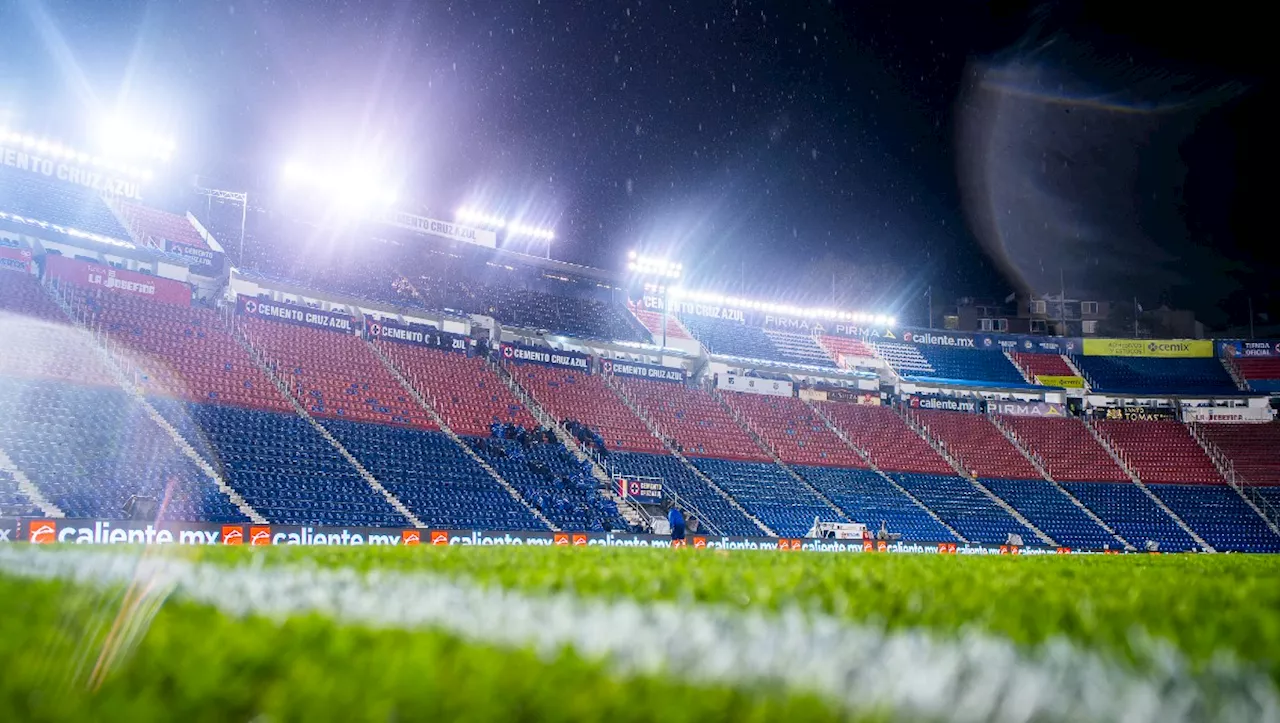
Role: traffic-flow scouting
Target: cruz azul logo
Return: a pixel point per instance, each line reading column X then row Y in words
column 259, row 535
column 375, row 329
column 232, row 535
column 42, row 532
column 251, row 306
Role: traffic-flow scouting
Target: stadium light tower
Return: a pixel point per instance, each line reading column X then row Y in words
column 355, row 188
column 661, row 270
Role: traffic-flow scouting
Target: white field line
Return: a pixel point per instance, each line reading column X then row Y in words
column 969, row 677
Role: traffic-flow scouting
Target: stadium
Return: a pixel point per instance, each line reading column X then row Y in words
column 285, row 459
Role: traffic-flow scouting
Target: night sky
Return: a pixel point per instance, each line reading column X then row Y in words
column 774, row 147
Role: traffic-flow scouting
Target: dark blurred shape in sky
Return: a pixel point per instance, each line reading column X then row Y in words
column 975, row 147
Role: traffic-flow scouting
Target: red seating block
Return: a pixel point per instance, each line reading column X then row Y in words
column 1042, row 365
column 892, row 445
column 1066, row 449
column 1161, row 451
column 38, row 341
column 1254, row 449
column 793, row 430
column 585, row 397
column 694, row 419
column 977, row 444
column 466, row 393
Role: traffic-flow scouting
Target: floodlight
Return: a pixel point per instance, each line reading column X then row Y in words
column 632, row 255
column 893, row 321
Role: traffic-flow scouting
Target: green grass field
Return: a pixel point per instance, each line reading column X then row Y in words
column 479, row 634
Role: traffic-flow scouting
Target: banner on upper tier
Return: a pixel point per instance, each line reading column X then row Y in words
column 851, row 396
column 294, row 314
column 690, row 308
column 443, row 229
column 1154, row 348
column 427, row 336
column 64, row 170
column 1135, row 413
column 947, row 404
column 752, row 385
column 122, row 281
column 203, row 261
column 1066, row 382
column 1027, row 409
column 1253, row 348
column 116, row 532
column 548, row 357
column 618, row 367
column 18, row 259
column 644, row 491
column 1227, row 414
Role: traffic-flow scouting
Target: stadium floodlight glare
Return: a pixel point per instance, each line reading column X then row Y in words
column 467, row 214
column 769, row 307
column 653, row 266
column 355, row 188
column 519, row 229
column 120, row 137
column 57, row 151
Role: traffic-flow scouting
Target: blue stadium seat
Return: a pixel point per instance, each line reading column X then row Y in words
column 1053, row 512
column 769, row 493
column 1131, row 513
column 89, row 449
column 965, row 508
column 870, row 499
column 730, row 337
column 1220, row 516
column 726, row 518
column 12, row 502
column 32, row 196
column 551, row 479
column 1142, row 374
column 287, row 471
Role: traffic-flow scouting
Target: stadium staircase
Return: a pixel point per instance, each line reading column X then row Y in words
column 29, row 492
column 118, row 362
column 1233, row 370
column 667, row 442
column 423, row 401
column 1026, row 374
column 264, row 364
column 629, row 511
column 1040, row 467
column 1133, row 477
column 1226, row 467
column 773, row 454
column 938, row 446
column 817, row 410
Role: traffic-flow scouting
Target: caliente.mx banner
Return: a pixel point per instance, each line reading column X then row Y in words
column 622, row 368
column 294, row 314
column 972, row 405
column 547, row 357
column 122, row 281
column 427, row 336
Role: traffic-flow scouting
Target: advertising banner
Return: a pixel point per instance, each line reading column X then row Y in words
column 64, row 170
column 1028, row 409
column 1136, row 414
column 1066, row 382
column 96, row 276
column 203, row 261
column 752, row 385
column 427, row 336
column 645, row 371
column 644, row 491
column 112, row 532
column 1227, row 414
column 294, row 314
column 1153, row 348
column 443, row 229
column 851, row 396
column 9, row 529
column 15, row 259
column 1255, row 348
column 547, row 357
column 947, row 404
column 812, row 395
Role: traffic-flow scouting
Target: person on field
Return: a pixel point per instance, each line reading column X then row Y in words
column 676, row 520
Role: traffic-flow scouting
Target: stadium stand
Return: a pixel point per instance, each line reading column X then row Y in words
column 964, row 507
column 837, row 346
column 977, row 444
column 334, row 374
column 689, row 490
column 1064, row 447
column 1253, row 449
column 1034, row 365
column 287, row 471
column 793, row 430
column 693, row 419
column 585, row 398
column 186, row 353
column 730, row 338
column 979, row 367
column 1160, row 451
column 798, row 349
column 1128, row 510
column 13, row 503
column 39, row 341
column 158, row 226
column 1220, row 516
column 549, row 477
column 1138, row 375
column 886, row 438
column 464, row 391
column 905, row 359
column 652, row 320
column 1262, row 374
column 1053, row 512
column 870, row 499
column 769, row 493
column 35, row 197
column 89, row 449
column 432, row 476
